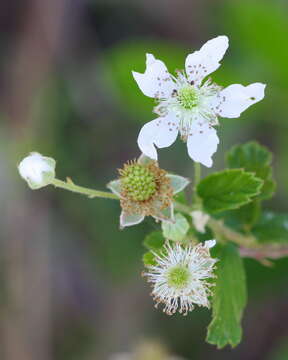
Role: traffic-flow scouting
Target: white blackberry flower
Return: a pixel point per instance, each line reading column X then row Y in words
column 190, row 106
column 179, row 277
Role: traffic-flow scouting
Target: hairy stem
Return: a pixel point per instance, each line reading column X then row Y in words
column 223, row 231
column 91, row 193
column 226, row 233
column 271, row 251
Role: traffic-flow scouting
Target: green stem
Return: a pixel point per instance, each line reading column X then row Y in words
column 224, row 232
column 197, row 179
column 69, row 185
column 197, row 173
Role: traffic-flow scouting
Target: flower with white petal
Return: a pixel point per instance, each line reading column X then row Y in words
column 37, row 170
column 179, row 277
column 190, row 105
column 144, row 189
column 200, row 220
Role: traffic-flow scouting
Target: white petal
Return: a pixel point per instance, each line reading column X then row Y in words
column 210, row 243
column 115, row 187
column 129, row 220
column 156, row 81
column 178, row 182
column 236, row 98
column 201, row 63
column 161, row 132
column 202, row 143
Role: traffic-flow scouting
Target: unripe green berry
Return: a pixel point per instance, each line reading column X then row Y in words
column 138, row 182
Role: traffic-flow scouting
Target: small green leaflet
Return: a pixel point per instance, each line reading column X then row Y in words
column 272, row 228
column 149, row 259
column 175, row 231
column 154, row 242
column 255, row 158
column 228, row 189
column 229, row 299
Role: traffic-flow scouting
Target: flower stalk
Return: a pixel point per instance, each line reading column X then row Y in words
column 197, row 173
column 197, row 179
column 271, row 251
column 225, row 232
column 91, row 193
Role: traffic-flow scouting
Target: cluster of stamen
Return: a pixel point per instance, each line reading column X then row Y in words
column 178, row 277
column 187, row 97
column 190, row 102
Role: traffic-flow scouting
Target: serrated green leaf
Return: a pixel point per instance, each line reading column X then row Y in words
column 253, row 157
column 249, row 214
column 272, row 228
column 245, row 217
column 268, row 189
column 228, row 189
column 154, row 241
column 229, row 300
column 149, row 259
column 176, row 231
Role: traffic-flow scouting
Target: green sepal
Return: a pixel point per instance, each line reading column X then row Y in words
column 177, row 182
column 176, row 231
column 115, row 187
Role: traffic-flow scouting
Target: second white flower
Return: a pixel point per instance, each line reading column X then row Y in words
column 189, row 106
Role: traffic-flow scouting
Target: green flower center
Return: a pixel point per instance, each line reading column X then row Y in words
column 139, row 182
column 178, row 276
column 187, row 97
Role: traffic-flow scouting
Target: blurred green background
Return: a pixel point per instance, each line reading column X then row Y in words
column 70, row 281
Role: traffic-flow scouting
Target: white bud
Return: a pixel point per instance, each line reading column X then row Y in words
column 37, row 170
column 200, row 220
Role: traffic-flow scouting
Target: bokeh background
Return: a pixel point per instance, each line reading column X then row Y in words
column 70, row 281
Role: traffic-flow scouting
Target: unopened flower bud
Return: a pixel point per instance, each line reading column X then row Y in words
column 200, row 220
column 37, row 170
